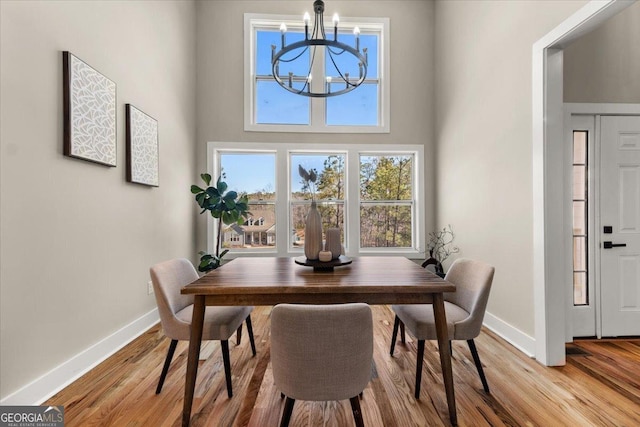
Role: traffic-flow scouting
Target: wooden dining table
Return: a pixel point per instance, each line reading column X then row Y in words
column 271, row 281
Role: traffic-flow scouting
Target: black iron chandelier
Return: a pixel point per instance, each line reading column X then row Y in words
column 333, row 48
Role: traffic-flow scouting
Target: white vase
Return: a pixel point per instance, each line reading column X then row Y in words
column 313, row 233
column 333, row 244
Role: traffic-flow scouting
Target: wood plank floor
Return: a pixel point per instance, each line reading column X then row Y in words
column 599, row 386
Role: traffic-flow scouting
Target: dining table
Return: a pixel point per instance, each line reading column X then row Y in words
column 251, row 281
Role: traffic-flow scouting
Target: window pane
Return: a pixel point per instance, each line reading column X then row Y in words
column 579, row 183
column 259, row 231
column 349, row 63
column 332, row 215
column 358, row 107
column 274, row 105
column 386, row 177
column 330, row 180
column 260, row 183
column 385, row 226
column 579, row 220
column 580, row 294
column 579, row 147
column 579, row 254
column 265, row 39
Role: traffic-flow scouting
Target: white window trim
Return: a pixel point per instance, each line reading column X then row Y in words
column 352, row 196
column 253, row 20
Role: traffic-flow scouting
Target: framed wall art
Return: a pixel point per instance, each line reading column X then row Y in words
column 142, row 147
column 89, row 112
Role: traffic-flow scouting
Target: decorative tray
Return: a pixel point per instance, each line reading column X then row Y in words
column 323, row 266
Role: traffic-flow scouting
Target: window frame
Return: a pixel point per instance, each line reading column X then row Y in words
column 254, row 22
column 282, row 203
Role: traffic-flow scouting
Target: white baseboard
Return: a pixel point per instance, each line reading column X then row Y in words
column 61, row 376
column 511, row 334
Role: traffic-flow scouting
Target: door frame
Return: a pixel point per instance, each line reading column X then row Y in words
column 589, row 116
column 549, row 256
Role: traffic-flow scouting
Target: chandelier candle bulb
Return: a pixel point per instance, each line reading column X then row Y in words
column 283, row 31
column 306, row 18
column 336, row 20
column 356, row 32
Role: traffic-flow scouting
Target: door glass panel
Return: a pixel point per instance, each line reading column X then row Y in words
column 580, row 219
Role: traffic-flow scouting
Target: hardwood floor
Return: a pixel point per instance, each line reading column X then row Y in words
column 599, row 386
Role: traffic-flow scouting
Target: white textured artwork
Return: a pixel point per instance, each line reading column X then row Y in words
column 90, row 113
column 142, row 147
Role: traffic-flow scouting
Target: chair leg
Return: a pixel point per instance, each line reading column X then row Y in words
column 239, row 334
column 357, row 413
column 227, row 366
column 403, row 338
column 288, row 410
column 250, row 331
column 419, row 367
column 394, row 334
column 476, row 359
column 167, row 363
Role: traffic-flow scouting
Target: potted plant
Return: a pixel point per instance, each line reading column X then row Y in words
column 440, row 249
column 227, row 207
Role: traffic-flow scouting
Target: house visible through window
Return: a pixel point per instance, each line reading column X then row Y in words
column 269, row 107
column 251, row 173
column 372, row 197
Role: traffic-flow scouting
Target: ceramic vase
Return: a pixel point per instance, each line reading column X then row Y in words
column 313, row 233
column 333, row 244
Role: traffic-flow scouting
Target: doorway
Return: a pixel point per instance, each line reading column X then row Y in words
column 603, row 184
column 549, row 257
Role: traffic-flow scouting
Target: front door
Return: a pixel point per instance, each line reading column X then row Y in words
column 619, row 233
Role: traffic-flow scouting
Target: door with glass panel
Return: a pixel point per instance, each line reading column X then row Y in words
column 605, row 225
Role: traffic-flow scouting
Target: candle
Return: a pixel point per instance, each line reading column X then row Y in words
column 324, row 256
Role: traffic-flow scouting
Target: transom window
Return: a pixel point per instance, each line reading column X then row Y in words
column 373, row 197
column 269, row 107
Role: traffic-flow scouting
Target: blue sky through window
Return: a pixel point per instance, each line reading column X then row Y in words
column 249, row 173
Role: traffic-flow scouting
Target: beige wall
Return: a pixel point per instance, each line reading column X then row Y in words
column 604, row 65
column 77, row 240
column 220, row 53
column 483, row 132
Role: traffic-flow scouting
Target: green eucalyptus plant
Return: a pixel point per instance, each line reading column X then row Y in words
column 227, row 207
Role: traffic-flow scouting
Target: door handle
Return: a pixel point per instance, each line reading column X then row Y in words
column 609, row 245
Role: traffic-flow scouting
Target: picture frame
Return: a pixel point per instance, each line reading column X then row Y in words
column 89, row 100
column 142, row 147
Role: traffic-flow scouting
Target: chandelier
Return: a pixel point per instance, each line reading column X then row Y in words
column 332, row 86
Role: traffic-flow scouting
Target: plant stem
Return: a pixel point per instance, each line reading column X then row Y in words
column 219, row 237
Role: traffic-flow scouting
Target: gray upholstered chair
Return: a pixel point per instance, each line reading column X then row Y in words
column 176, row 310
column 321, row 353
column 464, row 308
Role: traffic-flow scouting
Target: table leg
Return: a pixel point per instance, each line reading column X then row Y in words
column 445, row 354
column 197, row 321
